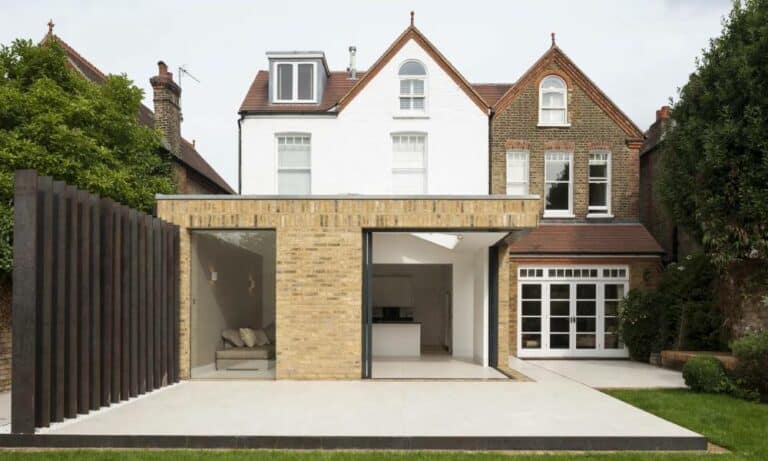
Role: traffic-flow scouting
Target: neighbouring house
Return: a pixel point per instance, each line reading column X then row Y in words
column 192, row 173
column 675, row 241
column 401, row 222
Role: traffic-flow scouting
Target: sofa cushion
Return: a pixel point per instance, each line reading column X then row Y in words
column 269, row 330
column 247, row 353
column 248, row 335
column 232, row 336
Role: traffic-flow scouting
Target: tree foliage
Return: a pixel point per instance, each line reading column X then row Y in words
column 62, row 125
column 715, row 170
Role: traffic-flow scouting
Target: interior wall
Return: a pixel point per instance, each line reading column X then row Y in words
column 480, row 303
column 401, row 248
column 430, row 287
column 241, row 296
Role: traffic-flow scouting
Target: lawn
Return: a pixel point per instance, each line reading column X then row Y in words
column 741, row 427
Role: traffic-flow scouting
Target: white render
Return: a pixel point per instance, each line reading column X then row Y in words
column 396, row 340
column 351, row 151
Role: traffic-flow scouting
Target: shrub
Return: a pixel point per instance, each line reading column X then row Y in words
column 752, row 367
column 705, row 373
column 639, row 323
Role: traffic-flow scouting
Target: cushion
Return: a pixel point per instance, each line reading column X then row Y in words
column 269, row 330
column 248, row 335
column 247, row 353
column 232, row 336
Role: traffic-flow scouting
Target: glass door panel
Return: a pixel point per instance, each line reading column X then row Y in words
column 614, row 292
column 530, row 316
column 586, row 316
column 560, row 316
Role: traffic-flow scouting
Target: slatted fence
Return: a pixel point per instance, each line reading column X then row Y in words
column 95, row 302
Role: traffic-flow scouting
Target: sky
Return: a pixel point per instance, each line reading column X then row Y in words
column 638, row 52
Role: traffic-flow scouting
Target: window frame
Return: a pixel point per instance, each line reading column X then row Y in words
column 424, row 170
column 526, row 168
column 600, row 211
column 564, row 92
column 401, row 95
column 559, row 213
column 278, row 169
column 295, row 83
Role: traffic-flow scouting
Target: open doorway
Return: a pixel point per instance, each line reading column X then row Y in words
column 233, row 305
column 429, row 302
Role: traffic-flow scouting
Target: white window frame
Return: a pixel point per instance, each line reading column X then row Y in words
column 559, row 213
column 564, row 92
column 277, row 159
column 600, row 211
column 424, row 170
column 545, row 275
column 526, row 169
column 295, row 88
column 401, row 95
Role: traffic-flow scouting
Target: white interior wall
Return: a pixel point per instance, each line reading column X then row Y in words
column 468, row 277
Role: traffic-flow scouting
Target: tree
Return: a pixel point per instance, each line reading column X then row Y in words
column 62, row 125
column 714, row 175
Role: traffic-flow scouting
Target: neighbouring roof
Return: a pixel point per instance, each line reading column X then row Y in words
column 587, row 239
column 654, row 135
column 190, row 158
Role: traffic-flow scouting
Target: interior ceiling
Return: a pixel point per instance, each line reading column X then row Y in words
column 460, row 241
column 261, row 243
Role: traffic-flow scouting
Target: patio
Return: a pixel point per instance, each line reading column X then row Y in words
column 549, row 412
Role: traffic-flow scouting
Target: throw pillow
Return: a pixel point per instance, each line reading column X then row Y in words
column 261, row 338
column 232, row 336
column 248, row 335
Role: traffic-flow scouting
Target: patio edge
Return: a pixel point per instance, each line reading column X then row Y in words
column 547, row 443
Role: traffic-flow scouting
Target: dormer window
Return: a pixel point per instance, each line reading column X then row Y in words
column 413, row 78
column 295, row 82
column 553, row 102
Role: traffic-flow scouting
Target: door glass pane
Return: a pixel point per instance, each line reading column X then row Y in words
column 560, row 316
column 559, row 324
column 560, row 291
column 586, row 342
column 586, row 316
column 586, row 308
column 560, row 308
column 614, row 293
column 560, row 341
column 531, row 316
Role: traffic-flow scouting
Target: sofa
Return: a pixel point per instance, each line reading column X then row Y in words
column 230, row 355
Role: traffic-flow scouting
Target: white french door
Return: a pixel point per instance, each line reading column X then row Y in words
column 570, row 311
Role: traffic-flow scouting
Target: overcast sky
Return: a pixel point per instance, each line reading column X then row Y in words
column 638, row 52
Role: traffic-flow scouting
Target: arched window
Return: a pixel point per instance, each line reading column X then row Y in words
column 553, row 101
column 413, row 78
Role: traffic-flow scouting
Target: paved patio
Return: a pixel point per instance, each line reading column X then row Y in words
column 614, row 374
column 549, row 406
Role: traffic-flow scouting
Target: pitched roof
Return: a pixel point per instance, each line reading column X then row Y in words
column 491, row 92
column 340, row 90
column 587, row 239
column 566, row 65
column 654, row 135
column 190, row 158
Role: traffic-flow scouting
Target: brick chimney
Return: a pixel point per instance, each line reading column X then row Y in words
column 662, row 113
column 167, row 95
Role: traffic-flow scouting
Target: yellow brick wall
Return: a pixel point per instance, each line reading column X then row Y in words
column 319, row 264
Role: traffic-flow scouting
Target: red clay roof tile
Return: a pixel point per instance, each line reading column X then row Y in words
column 587, row 239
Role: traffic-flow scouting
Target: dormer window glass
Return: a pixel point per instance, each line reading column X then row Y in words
column 553, row 102
column 295, row 82
column 413, row 78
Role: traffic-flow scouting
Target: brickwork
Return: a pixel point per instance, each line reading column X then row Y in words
column 167, row 108
column 319, row 264
column 644, row 273
column 591, row 128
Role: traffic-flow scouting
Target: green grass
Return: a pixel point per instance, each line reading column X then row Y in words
column 739, row 426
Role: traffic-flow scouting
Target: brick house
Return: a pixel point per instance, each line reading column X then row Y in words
column 402, row 217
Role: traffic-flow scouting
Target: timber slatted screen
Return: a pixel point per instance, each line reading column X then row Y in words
column 95, row 302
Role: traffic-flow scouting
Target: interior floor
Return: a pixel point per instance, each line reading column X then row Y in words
column 432, row 366
column 248, row 369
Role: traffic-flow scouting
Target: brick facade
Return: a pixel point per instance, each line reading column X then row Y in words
column 319, row 264
column 591, row 128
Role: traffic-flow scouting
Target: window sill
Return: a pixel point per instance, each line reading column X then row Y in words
column 599, row 216
column 410, row 116
column 547, row 125
column 564, row 215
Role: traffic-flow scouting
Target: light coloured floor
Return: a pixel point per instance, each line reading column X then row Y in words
column 248, row 369
column 5, row 409
column 431, row 366
column 550, row 405
column 607, row 374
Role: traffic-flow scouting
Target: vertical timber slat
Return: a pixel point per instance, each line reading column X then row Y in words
column 45, row 302
column 72, row 313
column 95, row 301
column 60, row 225
column 107, row 308
column 84, row 308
